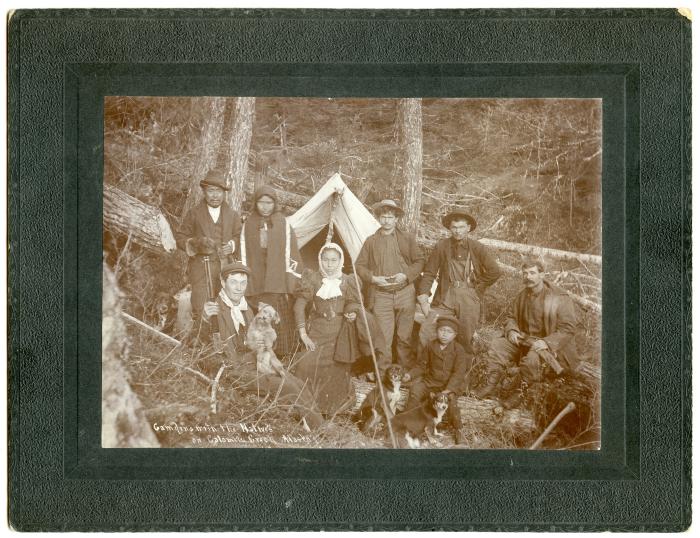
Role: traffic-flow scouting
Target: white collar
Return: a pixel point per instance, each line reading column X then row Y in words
column 236, row 310
column 214, row 212
column 330, row 288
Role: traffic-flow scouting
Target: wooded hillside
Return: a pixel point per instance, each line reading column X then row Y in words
column 529, row 170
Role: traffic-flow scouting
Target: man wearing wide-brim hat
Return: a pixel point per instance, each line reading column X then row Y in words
column 465, row 269
column 208, row 231
column 389, row 263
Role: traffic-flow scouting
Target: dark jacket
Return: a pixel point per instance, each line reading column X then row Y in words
column 198, row 223
column 443, row 369
column 410, row 250
column 280, row 269
column 486, row 270
column 560, row 321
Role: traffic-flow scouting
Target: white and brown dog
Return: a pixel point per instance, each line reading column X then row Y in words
column 410, row 425
column 371, row 410
column 261, row 338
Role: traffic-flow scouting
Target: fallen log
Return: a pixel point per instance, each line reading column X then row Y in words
column 587, row 280
column 146, row 225
column 429, row 235
column 489, row 415
column 151, row 330
column 544, row 252
column 480, row 414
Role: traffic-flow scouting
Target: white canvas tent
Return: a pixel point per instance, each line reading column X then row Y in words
column 351, row 219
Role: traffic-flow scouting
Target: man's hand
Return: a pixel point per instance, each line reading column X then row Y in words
column 539, row 345
column 424, row 304
column 350, row 316
column 210, row 309
column 380, row 281
column 514, row 337
column 225, row 250
column 400, row 278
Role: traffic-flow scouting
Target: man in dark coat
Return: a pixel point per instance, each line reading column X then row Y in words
column 234, row 318
column 465, row 268
column 389, row 263
column 442, row 367
column 209, row 230
column 542, row 320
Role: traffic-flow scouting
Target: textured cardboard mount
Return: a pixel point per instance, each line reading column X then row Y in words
column 63, row 63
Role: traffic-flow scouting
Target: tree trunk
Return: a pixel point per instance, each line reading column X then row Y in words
column 412, row 136
column 125, row 215
column 208, row 153
column 124, row 424
column 239, row 148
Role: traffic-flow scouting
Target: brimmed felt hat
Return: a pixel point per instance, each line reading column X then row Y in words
column 235, row 267
column 448, row 321
column 387, row 203
column 447, row 219
column 215, row 178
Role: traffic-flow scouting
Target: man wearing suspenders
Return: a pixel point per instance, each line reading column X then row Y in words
column 465, row 269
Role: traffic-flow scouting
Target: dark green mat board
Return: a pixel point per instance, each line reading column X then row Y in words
column 61, row 66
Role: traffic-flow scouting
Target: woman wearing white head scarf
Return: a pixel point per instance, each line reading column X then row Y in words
column 326, row 300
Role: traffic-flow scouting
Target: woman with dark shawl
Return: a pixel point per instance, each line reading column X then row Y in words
column 268, row 246
column 334, row 333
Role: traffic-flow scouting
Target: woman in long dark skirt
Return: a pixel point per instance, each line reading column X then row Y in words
column 332, row 301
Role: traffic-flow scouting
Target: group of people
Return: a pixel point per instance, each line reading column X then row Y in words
column 235, row 266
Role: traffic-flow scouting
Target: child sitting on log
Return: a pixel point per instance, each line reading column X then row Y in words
column 441, row 367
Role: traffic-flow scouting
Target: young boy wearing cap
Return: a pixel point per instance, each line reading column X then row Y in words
column 208, row 230
column 465, row 269
column 389, row 263
column 441, row 367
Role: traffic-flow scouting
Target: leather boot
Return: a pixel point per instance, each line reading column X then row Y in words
column 493, row 378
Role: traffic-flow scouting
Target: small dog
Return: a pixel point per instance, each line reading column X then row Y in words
column 371, row 410
column 261, row 337
column 160, row 312
column 409, row 425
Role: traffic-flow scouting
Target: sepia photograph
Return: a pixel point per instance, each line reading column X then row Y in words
column 352, row 273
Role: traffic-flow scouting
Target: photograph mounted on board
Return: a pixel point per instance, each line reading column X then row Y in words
column 351, row 273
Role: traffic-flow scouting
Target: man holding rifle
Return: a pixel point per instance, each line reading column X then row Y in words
column 538, row 334
column 208, row 235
